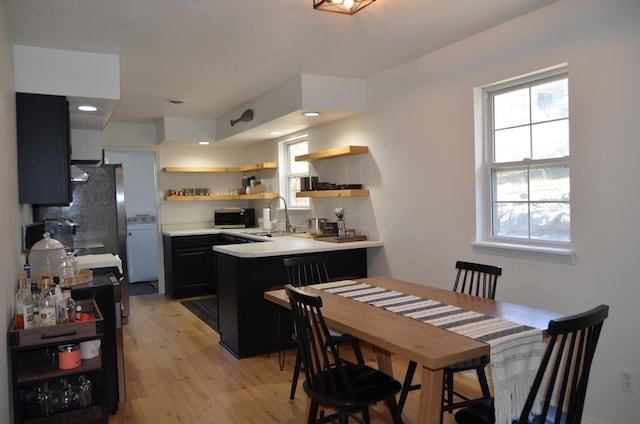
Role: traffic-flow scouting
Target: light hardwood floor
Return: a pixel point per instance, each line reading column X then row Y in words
column 177, row 372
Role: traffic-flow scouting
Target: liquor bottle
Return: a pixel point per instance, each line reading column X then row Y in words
column 24, row 304
column 47, row 304
column 66, row 308
column 35, row 295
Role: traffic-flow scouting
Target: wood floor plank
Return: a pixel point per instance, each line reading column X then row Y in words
column 177, row 372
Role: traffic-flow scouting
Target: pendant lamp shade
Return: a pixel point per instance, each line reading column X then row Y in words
column 341, row 6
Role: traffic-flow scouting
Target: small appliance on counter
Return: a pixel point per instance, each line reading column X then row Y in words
column 234, row 218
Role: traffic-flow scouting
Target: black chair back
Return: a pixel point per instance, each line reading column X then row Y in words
column 305, row 270
column 320, row 359
column 561, row 381
column 477, row 279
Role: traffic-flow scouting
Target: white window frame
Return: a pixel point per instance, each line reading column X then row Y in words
column 286, row 173
column 486, row 242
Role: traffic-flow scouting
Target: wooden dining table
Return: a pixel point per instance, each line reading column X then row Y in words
column 431, row 347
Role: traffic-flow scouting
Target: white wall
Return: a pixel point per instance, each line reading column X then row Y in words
column 420, row 130
column 10, row 220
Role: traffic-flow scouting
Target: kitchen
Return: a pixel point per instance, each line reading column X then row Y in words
column 406, row 164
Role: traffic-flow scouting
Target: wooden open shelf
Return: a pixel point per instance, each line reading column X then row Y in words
column 245, row 168
column 261, row 196
column 337, row 152
column 333, row 193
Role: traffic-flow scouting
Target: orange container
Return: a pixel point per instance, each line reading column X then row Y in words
column 69, row 356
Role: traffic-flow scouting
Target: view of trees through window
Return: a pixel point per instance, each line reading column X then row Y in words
column 530, row 185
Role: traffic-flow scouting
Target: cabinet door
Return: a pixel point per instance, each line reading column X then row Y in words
column 43, row 149
column 191, row 270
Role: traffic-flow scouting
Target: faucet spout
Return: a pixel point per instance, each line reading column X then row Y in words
column 286, row 212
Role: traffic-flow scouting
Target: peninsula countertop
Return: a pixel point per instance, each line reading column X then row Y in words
column 278, row 245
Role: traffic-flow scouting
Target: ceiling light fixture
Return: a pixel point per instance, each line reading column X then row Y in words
column 341, row 6
column 203, row 142
column 87, row 108
column 311, row 114
column 276, row 133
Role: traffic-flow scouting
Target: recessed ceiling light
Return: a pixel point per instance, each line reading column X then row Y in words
column 87, row 108
column 203, row 142
column 311, row 114
column 276, row 133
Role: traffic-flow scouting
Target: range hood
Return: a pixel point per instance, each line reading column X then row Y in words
column 78, row 175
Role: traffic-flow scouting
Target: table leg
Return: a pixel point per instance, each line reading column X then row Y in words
column 430, row 396
column 384, row 361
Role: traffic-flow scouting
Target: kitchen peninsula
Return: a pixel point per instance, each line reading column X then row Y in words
column 245, row 270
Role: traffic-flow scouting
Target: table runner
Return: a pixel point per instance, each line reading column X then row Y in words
column 515, row 349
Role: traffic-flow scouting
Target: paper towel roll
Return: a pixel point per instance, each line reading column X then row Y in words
column 266, row 218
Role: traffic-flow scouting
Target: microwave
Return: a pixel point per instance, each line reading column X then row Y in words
column 234, row 218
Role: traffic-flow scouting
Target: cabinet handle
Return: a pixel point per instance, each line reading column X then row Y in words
column 53, row 336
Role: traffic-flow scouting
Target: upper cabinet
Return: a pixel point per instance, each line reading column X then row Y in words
column 337, row 152
column 44, row 149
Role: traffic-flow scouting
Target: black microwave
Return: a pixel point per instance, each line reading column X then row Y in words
column 234, row 218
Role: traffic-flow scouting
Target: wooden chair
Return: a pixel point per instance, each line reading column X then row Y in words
column 564, row 370
column 477, row 280
column 330, row 380
column 307, row 270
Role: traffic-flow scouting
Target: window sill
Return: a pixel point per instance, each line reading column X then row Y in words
column 538, row 253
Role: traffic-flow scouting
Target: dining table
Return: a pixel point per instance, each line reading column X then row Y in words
column 431, row 347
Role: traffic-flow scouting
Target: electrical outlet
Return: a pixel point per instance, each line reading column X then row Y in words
column 627, row 378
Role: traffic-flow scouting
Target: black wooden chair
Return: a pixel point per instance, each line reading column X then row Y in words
column 561, row 382
column 477, row 280
column 330, row 380
column 304, row 271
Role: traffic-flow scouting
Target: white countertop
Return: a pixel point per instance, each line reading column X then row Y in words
column 272, row 246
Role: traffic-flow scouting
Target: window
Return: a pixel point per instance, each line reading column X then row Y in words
column 293, row 171
column 526, row 167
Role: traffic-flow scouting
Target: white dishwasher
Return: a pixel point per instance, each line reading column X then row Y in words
column 142, row 248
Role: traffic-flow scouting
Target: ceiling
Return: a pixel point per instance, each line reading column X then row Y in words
column 218, row 55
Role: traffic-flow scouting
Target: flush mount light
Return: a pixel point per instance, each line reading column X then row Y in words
column 311, row 114
column 276, row 133
column 203, row 142
column 87, row 108
column 341, row 6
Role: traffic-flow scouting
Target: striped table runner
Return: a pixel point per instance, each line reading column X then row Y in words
column 515, row 349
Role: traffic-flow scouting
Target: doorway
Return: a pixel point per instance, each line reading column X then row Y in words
column 140, row 191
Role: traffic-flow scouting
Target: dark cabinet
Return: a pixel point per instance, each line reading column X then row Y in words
column 45, row 393
column 188, row 265
column 44, row 149
column 249, row 325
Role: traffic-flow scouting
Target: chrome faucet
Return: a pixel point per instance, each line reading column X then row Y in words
column 286, row 213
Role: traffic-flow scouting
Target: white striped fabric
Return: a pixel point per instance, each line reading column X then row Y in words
column 515, row 349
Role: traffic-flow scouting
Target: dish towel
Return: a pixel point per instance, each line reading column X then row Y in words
column 515, row 349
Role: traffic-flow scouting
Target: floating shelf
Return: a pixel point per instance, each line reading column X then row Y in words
column 334, row 193
column 245, row 168
column 338, row 152
column 261, row 196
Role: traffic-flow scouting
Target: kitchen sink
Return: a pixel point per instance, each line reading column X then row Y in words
column 266, row 233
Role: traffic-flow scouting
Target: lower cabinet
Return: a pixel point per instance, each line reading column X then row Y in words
column 45, row 393
column 188, row 266
column 250, row 325
column 189, row 263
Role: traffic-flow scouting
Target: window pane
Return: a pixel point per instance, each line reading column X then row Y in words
column 511, row 109
column 294, row 186
column 550, row 221
column 550, row 139
column 550, row 184
column 550, row 101
column 512, row 145
column 510, row 185
column 511, row 220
